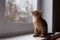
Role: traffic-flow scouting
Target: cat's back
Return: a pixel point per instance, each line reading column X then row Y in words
column 43, row 21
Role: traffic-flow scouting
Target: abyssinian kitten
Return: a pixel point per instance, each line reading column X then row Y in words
column 40, row 25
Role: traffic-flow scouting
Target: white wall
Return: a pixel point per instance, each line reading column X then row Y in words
column 47, row 6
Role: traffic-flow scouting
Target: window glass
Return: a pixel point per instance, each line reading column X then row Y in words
column 19, row 10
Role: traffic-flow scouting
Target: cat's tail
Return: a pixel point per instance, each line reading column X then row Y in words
column 54, row 37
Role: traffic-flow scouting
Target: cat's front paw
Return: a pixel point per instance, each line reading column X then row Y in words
column 42, row 35
column 35, row 35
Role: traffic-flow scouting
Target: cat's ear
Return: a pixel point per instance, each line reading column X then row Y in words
column 41, row 12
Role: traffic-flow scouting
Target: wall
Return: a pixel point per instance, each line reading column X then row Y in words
column 47, row 6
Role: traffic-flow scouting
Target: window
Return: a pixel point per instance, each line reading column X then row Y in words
column 19, row 10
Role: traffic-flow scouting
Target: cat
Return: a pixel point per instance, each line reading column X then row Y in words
column 40, row 25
